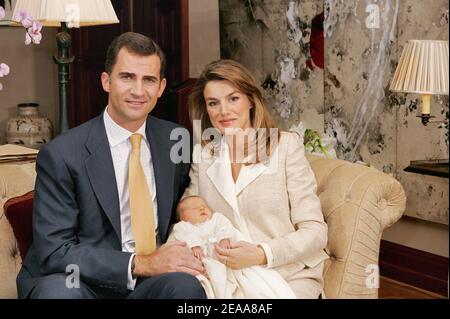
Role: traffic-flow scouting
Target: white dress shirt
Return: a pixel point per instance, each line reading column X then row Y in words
column 120, row 145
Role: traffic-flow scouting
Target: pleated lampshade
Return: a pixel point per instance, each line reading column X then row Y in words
column 423, row 68
column 78, row 12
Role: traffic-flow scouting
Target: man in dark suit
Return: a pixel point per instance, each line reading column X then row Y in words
column 84, row 227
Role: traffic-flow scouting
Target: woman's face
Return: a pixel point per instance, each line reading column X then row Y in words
column 227, row 107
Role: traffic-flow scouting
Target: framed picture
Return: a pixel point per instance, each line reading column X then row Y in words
column 9, row 7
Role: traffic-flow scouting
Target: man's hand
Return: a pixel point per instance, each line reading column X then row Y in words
column 174, row 256
column 241, row 255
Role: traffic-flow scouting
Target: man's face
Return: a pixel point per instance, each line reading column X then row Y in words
column 134, row 87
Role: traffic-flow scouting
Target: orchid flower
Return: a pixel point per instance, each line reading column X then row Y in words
column 33, row 34
column 2, row 13
column 24, row 18
column 4, row 71
column 33, row 27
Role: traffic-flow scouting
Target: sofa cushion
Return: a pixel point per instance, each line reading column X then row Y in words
column 19, row 211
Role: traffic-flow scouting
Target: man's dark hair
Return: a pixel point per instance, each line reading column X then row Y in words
column 136, row 43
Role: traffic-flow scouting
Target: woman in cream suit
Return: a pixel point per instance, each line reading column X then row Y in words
column 268, row 194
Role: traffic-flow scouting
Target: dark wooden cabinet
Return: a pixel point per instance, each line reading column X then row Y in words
column 166, row 22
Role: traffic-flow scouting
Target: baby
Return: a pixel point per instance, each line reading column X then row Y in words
column 200, row 228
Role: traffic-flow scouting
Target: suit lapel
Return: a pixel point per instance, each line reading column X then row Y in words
column 248, row 174
column 220, row 175
column 100, row 171
column 251, row 172
column 219, row 172
column 164, row 171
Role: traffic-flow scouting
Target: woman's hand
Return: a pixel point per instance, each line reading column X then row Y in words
column 241, row 255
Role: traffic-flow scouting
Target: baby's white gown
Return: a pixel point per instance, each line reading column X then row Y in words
column 255, row 282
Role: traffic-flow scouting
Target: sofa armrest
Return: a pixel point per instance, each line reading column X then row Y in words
column 358, row 203
column 15, row 180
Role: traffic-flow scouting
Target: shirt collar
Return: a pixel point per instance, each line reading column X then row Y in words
column 116, row 133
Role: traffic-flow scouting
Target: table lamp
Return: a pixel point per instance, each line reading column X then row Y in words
column 422, row 69
column 67, row 14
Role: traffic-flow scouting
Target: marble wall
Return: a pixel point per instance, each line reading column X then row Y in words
column 277, row 41
column 334, row 77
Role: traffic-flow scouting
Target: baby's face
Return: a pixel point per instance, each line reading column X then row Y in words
column 194, row 210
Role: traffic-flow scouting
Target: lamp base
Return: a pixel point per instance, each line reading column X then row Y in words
column 63, row 40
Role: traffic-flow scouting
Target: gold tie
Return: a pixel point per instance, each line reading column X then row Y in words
column 141, row 204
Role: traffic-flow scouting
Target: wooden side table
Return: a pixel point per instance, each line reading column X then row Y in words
column 429, row 167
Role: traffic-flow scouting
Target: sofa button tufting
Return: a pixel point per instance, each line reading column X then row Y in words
column 382, row 204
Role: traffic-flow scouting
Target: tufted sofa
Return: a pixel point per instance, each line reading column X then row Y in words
column 15, row 180
column 358, row 203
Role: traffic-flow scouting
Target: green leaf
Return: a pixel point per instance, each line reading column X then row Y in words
column 313, row 141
